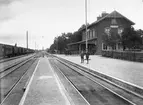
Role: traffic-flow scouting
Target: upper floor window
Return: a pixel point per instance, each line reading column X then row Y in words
column 83, row 35
column 92, row 34
column 120, row 30
column 89, row 34
column 114, row 47
column 107, row 30
column 93, row 31
column 113, row 21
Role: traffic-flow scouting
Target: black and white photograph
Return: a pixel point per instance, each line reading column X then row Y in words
column 71, row 52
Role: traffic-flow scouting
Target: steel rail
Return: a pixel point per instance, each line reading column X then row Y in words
column 16, row 82
column 12, row 66
column 94, row 74
column 101, row 84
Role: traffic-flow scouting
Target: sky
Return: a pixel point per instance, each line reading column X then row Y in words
column 46, row 19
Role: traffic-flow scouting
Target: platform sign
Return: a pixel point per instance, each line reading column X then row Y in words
column 114, row 26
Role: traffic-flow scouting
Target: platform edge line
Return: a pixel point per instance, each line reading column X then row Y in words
column 28, row 86
column 60, row 85
column 75, row 88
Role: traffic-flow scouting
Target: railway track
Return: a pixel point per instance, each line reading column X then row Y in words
column 9, row 63
column 9, row 59
column 96, row 90
column 8, row 69
column 12, row 76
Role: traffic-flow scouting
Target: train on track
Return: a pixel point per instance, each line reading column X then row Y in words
column 11, row 51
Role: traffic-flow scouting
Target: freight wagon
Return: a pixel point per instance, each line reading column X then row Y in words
column 10, row 51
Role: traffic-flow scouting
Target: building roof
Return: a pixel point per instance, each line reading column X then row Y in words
column 113, row 14
column 83, row 41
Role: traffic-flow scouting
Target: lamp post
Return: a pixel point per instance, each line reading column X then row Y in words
column 86, row 25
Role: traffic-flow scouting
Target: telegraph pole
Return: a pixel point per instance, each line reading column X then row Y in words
column 86, row 25
column 27, row 38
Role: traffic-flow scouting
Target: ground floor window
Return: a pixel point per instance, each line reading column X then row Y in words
column 104, row 46
column 114, row 47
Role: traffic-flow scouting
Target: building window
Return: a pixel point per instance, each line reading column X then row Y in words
column 120, row 31
column 113, row 21
column 82, row 35
column 94, row 33
column 107, row 30
column 114, row 47
column 89, row 34
column 120, row 46
column 104, row 46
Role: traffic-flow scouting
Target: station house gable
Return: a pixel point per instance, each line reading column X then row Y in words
column 103, row 25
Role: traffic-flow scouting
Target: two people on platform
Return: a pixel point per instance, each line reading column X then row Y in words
column 82, row 56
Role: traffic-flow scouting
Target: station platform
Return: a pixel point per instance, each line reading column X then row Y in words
column 44, row 87
column 127, row 71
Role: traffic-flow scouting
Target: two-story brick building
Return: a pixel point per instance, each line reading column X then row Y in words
column 106, row 23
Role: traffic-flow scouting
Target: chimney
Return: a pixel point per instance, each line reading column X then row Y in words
column 104, row 14
column 99, row 17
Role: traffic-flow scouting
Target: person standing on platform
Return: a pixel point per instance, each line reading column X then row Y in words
column 87, row 57
column 82, row 56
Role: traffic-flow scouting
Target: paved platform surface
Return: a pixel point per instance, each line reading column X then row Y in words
column 128, row 71
column 44, row 87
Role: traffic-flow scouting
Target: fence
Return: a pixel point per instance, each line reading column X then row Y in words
column 126, row 55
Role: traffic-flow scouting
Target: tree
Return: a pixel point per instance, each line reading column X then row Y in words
column 111, row 39
column 61, row 42
column 140, row 32
column 76, row 36
column 130, row 39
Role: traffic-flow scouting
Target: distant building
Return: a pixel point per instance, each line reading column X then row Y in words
column 103, row 25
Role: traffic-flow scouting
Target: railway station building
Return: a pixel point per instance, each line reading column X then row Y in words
column 105, row 24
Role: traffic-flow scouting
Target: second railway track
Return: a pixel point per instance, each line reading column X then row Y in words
column 95, row 89
column 10, row 79
column 5, row 67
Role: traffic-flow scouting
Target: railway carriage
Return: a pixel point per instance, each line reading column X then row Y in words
column 1, row 51
column 10, row 51
column 19, row 51
column 15, row 53
column 22, row 50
